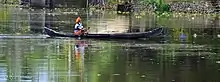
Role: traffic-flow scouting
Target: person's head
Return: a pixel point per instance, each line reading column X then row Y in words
column 78, row 19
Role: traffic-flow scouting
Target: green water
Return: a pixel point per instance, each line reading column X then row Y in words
column 194, row 58
column 55, row 60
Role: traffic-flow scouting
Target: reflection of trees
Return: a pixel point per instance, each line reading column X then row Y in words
column 37, row 20
column 100, row 62
column 201, row 25
column 14, row 61
column 52, row 60
column 5, row 16
column 131, row 63
column 141, row 64
column 212, row 30
column 178, row 66
column 13, row 20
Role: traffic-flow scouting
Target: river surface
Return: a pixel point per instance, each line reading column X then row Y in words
column 188, row 52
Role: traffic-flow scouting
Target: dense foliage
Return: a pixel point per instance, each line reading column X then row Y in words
column 9, row 1
column 159, row 5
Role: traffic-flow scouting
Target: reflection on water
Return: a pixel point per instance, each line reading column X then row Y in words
column 22, row 20
column 189, row 52
column 26, row 21
column 68, row 60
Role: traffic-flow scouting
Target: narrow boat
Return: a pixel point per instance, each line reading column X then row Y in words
column 137, row 35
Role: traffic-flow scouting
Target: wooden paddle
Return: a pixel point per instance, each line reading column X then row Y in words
column 86, row 30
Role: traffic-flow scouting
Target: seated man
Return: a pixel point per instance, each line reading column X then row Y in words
column 78, row 28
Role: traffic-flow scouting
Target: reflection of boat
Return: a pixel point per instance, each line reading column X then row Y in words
column 153, row 32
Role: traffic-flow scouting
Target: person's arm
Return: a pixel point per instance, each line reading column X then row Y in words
column 75, row 26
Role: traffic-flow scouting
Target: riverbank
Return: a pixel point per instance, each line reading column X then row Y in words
column 178, row 6
column 193, row 7
column 185, row 7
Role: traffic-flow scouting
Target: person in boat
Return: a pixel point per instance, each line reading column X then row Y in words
column 78, row 28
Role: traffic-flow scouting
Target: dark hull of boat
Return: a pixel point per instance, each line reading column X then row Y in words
column 53, row 33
